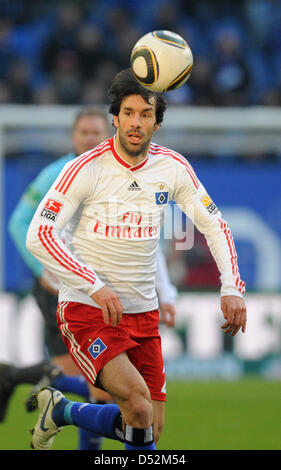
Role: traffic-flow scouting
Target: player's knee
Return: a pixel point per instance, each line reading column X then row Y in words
column 140, row 406
column 141, row 411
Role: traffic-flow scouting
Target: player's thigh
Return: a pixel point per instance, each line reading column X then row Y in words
column 68, row 367
column 128, row 389
column 120, row 377
column 159, row 409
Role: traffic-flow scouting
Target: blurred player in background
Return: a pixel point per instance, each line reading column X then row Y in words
column 107, row 309
column 90, row 128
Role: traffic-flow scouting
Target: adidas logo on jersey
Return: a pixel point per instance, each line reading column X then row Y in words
column 134, row 186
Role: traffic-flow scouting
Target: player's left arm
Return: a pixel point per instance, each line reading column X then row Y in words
column 193, row 199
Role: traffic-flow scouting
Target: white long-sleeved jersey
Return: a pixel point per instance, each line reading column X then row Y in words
column 112, row 213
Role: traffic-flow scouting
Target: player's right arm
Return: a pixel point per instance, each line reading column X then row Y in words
column 44, row 240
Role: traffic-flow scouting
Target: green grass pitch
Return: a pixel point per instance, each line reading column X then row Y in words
column 215, row 415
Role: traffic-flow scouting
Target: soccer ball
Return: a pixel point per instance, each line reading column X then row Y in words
column 161, row 61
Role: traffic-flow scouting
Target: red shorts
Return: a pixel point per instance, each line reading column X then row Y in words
column 91, row 343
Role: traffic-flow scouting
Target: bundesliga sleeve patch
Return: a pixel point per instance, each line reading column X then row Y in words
column 51, row 210
column 209, row 204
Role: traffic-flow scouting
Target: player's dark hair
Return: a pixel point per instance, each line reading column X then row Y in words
column 125, row 84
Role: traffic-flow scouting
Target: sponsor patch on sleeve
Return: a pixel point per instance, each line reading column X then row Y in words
column 51, row 209
column 209, row 204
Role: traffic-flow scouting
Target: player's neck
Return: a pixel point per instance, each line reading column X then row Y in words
column 131, row 160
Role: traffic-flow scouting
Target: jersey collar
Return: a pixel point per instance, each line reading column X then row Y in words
column 118, row 157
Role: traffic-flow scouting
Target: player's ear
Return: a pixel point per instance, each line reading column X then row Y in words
column 156, row 126
column 116, row 121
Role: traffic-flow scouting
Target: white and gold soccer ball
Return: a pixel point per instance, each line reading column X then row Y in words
column 161, row 61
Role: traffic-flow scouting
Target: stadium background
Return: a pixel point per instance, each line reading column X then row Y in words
column 56, row 56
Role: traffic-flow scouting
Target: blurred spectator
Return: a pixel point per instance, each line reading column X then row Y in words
column 63, row 38
column 201, row 83
column 22, row 11
column 231, row 76
column 167, row 17
column 19, row 81
column 118, row 20
column 126, row 40
column 91, row 50
column 93, row 93
column 45, row 95
column 105, row 73
column 66, row 77
column 7, row 53
column 5, row 93
column 271, row 97
column 123, row 35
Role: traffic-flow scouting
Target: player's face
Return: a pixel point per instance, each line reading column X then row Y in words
column 135, row 125
column 89, row 132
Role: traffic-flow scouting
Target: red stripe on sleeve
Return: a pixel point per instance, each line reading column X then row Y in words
column 71, row 260
column 76, row 166
column 157, row 149
column 44, row 238
column 233, row 256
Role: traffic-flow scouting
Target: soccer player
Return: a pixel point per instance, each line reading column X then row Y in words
column 90, row 128
column 108, row 307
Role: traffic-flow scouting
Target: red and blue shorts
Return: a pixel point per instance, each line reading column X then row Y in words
column 92, row 343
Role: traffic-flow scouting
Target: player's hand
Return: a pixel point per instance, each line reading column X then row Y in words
column 235, row 314
column 110, row 304
column 167, row 314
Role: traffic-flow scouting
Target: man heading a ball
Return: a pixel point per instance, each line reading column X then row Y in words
column 114, row 197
